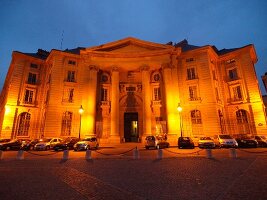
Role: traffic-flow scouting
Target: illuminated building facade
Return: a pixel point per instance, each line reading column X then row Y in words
column 131, row 88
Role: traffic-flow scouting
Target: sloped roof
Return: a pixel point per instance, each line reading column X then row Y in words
column 40, row 54
column 74, row 51
column 185, row 46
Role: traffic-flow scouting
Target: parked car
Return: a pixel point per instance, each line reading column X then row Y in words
column 14, row 144
column 3, row 140
column 65, row 144
column 87, row 143
column 246, row 142
column 154, row 142
column 262, row 140
column 47, row 143
column 29, row 145
column 224, row 140
column 206, row 142
column 185, row 142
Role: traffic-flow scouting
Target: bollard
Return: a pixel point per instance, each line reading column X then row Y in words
column 88, row 154
column 20, row 155
column 160, row 152
column 1, row 155
column 209, row 153
column 233, row 153
column 65, row 155
column 136, row 153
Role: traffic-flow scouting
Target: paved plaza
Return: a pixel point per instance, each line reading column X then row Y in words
column 120, row 173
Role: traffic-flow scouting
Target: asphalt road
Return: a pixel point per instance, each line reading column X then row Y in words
column 118, row 173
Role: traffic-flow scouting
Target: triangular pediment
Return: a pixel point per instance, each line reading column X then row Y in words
column 130, row 45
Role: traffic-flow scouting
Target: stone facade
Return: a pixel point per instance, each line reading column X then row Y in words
column 131, row 88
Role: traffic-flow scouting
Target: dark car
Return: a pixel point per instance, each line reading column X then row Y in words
column 262, row 140
column 185, row 143
column 67, row 143
column 3, row 140
column 29, row 145
column 246, row 142
column 14, row 144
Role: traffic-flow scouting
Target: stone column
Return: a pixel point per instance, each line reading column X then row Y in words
column 171, row 101
column 89, row 105
column 146, row 92
column 114, row 132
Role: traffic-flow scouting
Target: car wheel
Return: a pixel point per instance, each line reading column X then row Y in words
column 147, row 147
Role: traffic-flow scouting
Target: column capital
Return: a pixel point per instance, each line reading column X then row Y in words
column 144, row 68
column 114, row 69
column 166, row 65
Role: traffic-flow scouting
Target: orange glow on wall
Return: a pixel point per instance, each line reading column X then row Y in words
column 7, row 110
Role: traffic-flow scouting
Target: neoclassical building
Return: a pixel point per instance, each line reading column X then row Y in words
column 131, row 88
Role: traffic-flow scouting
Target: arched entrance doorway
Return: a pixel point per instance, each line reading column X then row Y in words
column 131, row 127
column 23, row 124
column 242, row 121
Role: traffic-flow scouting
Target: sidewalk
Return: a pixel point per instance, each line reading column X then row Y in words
column 169, row 178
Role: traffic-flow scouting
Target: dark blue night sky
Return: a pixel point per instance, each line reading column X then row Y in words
column 27, row 25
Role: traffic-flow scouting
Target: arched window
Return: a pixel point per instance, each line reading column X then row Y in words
column 196, row 117
column 242, row 121
column 241, row 117
column 66, row 123
column 23, row 124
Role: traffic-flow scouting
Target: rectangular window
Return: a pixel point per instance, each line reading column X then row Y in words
column 214, row 75
column 28, row 97
column 33, row 65
column 237, row 93
column 71, row 76
column 71, row 94
column 217, row 94
column 232, row 74
column 189, row 60
column 157, row 95
column 32, row 78
column 193, row 93
column 71, row 62
column 191, row 73
column 104, row 94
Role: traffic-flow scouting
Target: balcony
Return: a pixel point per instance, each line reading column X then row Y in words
column 194, row 99
column 156, row 103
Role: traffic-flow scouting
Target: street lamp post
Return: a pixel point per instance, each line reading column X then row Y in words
column 179, row 108
column 81, row 110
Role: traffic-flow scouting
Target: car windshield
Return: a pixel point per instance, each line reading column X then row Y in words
column 225, row 137
column 150, row 138
column 263, row 137
column 45, row 140
column 88, row 139
column 205, row 138
column 185, row 138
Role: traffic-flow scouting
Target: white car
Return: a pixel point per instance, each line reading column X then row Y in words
column 206, row 142
column 225, row 141
column 87, row 143
column 47, row 143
